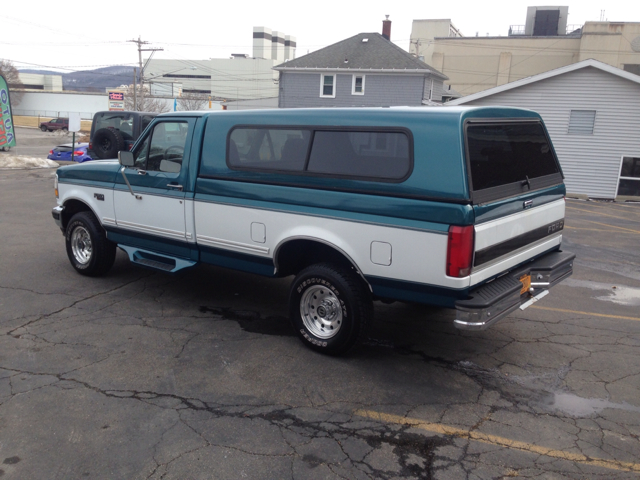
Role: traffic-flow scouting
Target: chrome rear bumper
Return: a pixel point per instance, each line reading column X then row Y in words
column 495, row 300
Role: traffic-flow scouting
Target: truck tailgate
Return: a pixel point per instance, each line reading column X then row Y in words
column 503, row 243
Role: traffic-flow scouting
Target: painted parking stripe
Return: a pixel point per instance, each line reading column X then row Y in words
column 591, row 314
column 614, row 226
column 604, row 214
column 633, row 232
column 500, row 441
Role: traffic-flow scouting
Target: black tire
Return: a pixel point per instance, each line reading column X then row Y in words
column 43, row 128
column 107, row 142
column 88, row 249
column 347, row 308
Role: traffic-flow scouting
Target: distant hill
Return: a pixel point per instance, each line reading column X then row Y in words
column 92, row 80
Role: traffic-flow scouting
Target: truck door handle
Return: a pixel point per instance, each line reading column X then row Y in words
column 175, row 185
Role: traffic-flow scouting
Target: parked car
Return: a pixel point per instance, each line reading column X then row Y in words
column 55, row 124
column 63, row 152
column 112, row 131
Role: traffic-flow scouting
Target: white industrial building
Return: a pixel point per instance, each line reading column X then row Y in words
column 36, row 81
column 239, row 77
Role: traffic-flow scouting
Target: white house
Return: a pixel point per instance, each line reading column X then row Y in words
column 592, row 112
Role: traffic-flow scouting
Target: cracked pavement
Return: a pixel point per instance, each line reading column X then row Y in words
column 144, row 375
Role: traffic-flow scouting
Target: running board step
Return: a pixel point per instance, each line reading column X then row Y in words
column 155, row 260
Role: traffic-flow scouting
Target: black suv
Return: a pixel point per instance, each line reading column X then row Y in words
column 113, row 131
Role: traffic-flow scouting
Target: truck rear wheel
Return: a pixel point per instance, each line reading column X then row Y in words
column 330, row 308
column 88, row 249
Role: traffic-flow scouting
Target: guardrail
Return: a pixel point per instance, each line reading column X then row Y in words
column 519, row 30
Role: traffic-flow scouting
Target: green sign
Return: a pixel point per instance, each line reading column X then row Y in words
column 7, row 134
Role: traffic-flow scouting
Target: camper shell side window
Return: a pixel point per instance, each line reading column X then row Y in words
column 377, row 154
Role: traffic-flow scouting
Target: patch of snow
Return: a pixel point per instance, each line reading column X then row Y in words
column 22, row 161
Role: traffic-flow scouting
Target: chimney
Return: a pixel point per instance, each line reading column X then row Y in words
column 386, row 28
column 262, row 42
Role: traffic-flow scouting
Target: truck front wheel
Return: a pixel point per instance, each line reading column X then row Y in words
column 330, row 308
column 88, row 249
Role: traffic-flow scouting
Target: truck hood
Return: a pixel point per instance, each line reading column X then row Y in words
column 101, row 171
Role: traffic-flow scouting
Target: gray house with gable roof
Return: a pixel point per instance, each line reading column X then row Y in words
column 366, row 70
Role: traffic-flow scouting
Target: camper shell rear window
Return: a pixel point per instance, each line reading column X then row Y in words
column 368, row 153
column 508, row 158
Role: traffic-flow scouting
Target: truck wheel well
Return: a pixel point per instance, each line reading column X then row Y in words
column 296, row 255
column 71, row 207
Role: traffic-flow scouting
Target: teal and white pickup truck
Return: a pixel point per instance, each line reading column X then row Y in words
column 456, row 207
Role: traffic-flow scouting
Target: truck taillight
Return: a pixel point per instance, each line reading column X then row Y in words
column 90, row 145
column 459, row 251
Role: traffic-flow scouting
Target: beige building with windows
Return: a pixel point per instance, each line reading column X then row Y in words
column 546, row 42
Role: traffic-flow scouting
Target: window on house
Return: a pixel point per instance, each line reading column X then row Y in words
column 357, row 87
column 629, row 182
column 327, row 86
column 581, row 122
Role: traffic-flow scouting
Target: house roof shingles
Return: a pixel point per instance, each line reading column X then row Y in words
column 376, row 53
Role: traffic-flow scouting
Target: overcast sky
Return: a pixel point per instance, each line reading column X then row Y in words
column 75, row 35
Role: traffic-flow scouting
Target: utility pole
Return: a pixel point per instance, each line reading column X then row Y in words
column 140, row 43
column 135, row 94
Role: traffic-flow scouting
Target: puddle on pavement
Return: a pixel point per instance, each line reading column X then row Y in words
column 542, row 391
column 583, row 407
column 621, row 294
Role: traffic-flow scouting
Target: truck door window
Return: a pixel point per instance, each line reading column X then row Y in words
column 163, row 149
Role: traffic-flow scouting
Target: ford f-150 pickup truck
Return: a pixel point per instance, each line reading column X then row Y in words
column 456, row 207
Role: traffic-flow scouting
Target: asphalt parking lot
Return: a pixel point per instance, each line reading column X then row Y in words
column 143, row 375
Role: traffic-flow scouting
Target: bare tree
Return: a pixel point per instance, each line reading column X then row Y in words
column 144, row 101
column 192, row 101
column 16, row 88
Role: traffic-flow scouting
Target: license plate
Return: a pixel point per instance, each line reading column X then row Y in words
column 525, row 280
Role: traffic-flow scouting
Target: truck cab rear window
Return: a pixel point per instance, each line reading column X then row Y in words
column 377, row 155
column 509, row 153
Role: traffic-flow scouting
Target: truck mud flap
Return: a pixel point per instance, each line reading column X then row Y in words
column 517, row 289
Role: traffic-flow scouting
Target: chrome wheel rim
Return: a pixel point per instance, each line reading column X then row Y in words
column 81, row 245
column 321, row 311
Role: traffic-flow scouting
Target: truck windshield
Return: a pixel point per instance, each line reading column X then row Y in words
column 509, row 153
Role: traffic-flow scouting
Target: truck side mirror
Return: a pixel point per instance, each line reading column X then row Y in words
column 125, row 158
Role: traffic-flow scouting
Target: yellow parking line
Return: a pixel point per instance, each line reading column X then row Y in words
column 501, row 441
column 563, row 310
column 600, row 213
column 613, row 226
column 632, row 232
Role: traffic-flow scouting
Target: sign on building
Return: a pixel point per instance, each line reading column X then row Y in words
column 116, row 101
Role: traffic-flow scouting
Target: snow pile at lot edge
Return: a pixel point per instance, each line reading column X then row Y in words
column 20, row 161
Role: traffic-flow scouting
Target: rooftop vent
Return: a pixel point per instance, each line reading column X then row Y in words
column 365, row 40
